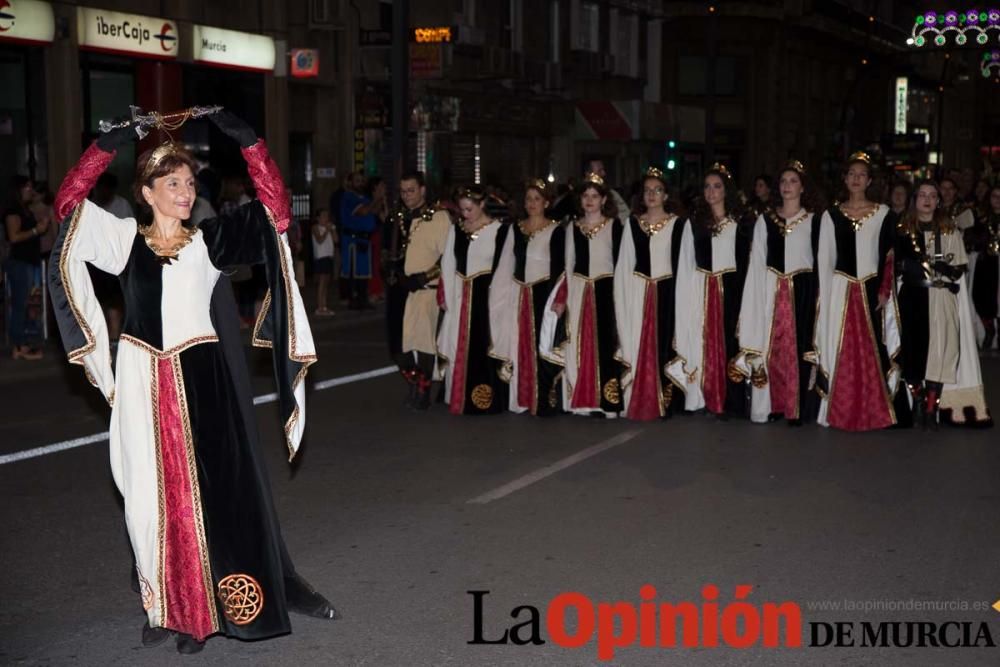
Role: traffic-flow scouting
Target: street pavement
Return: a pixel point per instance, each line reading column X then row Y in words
column 377, row 515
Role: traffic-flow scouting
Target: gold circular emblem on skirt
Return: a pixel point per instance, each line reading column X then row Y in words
column 667, row 396
column 612, row 391
column 242, row 598
column 482, row 396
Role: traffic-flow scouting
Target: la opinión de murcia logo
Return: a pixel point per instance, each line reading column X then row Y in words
column 6, row 17
column 137, row 32
column 572, row 620
column 738, row 624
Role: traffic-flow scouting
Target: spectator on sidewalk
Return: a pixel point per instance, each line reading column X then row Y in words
column 23, row 232
column 323, row 235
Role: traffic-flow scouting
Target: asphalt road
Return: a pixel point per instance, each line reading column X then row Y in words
column 377, row 515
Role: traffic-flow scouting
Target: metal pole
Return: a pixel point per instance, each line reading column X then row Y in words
column 400, row 66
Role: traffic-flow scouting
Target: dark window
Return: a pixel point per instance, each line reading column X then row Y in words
column 692, row 75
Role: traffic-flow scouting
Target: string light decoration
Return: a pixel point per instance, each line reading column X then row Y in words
column 990, row 64
column 936, row 27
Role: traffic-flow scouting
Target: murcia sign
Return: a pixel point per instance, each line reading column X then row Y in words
column 232, row 49
column 26, row 21
column 101, row 30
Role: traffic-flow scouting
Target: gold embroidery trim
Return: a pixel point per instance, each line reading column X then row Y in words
column 161, row 518
column 75, row 356
column 305, row 359
column 145, row 590
column 173, row 351
column 192, row 470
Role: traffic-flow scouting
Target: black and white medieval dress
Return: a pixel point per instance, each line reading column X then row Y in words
column 197, row 504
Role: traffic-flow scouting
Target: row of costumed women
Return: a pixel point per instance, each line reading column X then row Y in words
column 794, row 313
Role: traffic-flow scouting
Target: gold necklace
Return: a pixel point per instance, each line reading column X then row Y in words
column 857, row 223
column 785, row 226
column 719, row 225
column 652, row 228
column 166, row 253
column 592, row 232
column 473, row 234
column 522, row 225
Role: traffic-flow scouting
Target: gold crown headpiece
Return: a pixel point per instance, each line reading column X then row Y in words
column 539, row 184
column 591, row 177
column 795, row 166
column 653, row 172
column 721, row 168
column 859, row 156
column 468, row 193
column 162, row 151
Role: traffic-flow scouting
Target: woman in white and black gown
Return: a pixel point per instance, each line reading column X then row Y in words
column 857, row 331
column 778, row 314
column 585, row 298
column 711, row 267
column 475, row 294
column 201, row 521
column 644, row 302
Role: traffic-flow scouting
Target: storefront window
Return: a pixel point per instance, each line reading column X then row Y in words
column 23, row 145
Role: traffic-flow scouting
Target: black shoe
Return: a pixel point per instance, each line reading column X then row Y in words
column 153, row 636
column 795, row 422
column 303, row 599
column 187, row 645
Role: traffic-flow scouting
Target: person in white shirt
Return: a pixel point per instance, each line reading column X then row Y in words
column 323, row 235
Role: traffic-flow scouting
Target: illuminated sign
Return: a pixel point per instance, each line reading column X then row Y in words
column 101, row 30
column 26, row 21
column 232, row 49
column 305, row 63
column 902, row 90
column 432, row 35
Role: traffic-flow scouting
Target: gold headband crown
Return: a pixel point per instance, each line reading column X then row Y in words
column 653, row 172
column 591, row 177
column 721, row 168
column 796, row 166
column 159, row 153
column 539, row 184
column 859, row 156
column 469, row 193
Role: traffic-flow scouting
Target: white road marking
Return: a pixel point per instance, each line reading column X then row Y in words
column 553, row 468
column 258, row 400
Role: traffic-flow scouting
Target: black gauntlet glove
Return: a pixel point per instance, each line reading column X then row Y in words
column 109, row 142
column 415, row 282
column 946, row 269
column 234, row 127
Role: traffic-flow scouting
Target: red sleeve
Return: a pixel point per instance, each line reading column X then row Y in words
column 270, row 186
column 80, row 179
column 440, row 295
column 888, row 279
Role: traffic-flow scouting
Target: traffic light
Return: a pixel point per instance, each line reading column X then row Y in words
column 670, row 160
